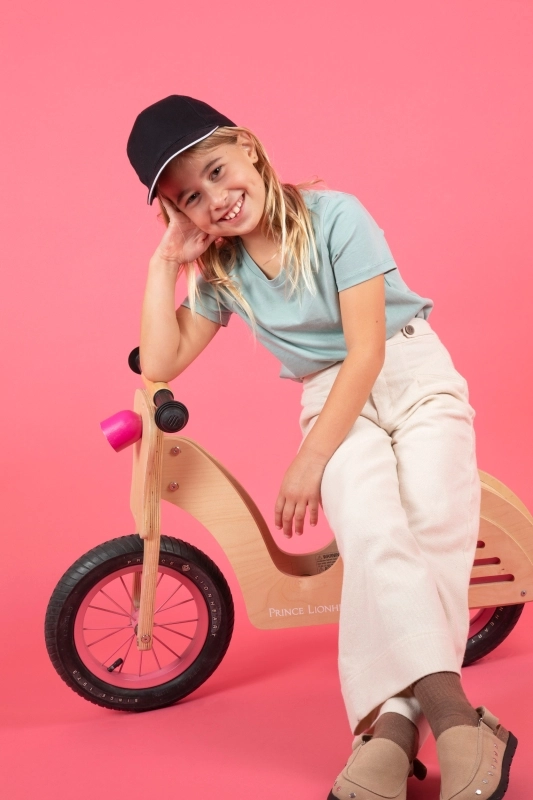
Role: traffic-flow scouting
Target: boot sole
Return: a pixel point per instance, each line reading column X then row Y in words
column 506, row 767
column 501, row 789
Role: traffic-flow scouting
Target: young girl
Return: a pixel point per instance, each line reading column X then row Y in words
column 388, row 445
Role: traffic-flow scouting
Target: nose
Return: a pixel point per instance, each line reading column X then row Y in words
column 218, row 198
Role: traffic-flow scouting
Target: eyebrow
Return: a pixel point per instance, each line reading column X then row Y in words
column 207, row 166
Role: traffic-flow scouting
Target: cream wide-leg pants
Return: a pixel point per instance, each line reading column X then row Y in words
column 402, row 496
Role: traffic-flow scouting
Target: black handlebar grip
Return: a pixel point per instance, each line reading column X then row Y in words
column 171, row 416
column 134, row 361
column 162, row 396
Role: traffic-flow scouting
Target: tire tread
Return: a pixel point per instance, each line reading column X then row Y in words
column 98, row 556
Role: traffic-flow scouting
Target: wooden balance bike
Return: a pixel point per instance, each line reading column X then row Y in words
column 141, row 621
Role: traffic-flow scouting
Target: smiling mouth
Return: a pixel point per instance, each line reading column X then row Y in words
column 235, row 211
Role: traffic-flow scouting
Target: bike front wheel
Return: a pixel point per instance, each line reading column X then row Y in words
column 91, row 625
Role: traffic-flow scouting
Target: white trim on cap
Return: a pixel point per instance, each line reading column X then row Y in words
column 174, row 156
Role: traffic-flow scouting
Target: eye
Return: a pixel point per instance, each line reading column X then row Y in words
column 191, row 198
column 216, row 171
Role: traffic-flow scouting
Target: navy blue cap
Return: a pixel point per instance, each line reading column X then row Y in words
column 167, row 128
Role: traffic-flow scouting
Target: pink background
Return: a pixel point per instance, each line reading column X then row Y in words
column 423, row 111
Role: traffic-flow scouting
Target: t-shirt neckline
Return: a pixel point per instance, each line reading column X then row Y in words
column 257, row 271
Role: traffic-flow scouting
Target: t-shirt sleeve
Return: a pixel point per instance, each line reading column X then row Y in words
column 210, row 303
column 357, row 246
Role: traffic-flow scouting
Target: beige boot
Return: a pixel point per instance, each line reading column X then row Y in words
column 474, row 762
column 377, row 770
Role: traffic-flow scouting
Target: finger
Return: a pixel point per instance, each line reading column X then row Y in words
column 167, row 210
column 172, row 210
column 165, row 202
column 287, row 516
column 299, row 517
column 313, row 512
column 205, row 238
column 278, row 511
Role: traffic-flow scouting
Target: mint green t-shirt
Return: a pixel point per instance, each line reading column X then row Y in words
column 304, row 331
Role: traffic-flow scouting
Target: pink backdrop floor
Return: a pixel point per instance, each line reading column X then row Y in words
column 269, row 723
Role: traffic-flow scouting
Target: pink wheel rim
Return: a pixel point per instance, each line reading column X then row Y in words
column 479, row 619
column 104, row 629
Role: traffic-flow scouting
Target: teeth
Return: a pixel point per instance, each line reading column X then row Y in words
column 235, row 210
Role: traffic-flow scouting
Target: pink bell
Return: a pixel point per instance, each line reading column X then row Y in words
column 122, row 429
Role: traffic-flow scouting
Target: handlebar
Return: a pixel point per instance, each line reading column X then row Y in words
column 171, row 415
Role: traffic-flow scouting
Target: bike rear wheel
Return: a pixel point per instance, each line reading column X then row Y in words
column 90, row 625
column 488, row 628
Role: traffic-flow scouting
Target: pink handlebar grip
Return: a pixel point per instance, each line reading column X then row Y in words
column 122, row 429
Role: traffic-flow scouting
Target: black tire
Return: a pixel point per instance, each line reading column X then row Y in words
column 497, row 627
column 118, row 554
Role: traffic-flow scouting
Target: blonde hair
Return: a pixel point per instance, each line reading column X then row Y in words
column 286, row 218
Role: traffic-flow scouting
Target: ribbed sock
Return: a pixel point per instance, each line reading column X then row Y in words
column 443, row 702
column 398, row 729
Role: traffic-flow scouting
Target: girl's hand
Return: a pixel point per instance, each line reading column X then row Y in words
column 300, row 488
column 182, row 241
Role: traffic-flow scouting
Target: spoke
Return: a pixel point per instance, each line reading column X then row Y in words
column 109, row 628
column 160, row 579
column 166, row 645
column 169, row 598
column 126, row 590
column 109, row 611
column 179, row 622
column 141, row 663
column 127, row 653
column 118, row 648
column 176, row 632
column 101, row 639
column 114, row 601
column 177, row 604
column 155, row 656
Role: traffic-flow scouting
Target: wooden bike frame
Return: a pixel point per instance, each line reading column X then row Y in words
column 283, row 590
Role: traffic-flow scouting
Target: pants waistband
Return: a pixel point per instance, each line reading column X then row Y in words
column 417, row 326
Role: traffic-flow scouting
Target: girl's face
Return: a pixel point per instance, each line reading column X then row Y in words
column 220, row 191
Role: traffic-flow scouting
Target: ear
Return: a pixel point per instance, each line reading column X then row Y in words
column 247, row 143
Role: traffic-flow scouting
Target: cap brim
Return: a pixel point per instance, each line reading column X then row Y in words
column 181, row 147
